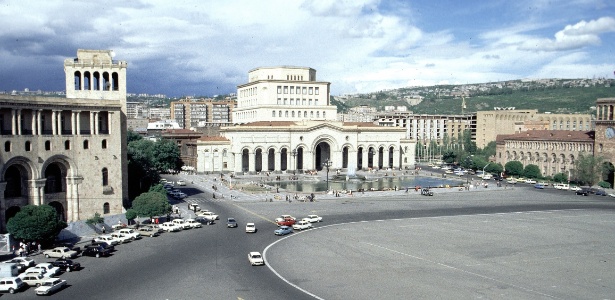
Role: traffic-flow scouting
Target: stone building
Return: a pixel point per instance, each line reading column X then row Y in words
column 553, row 151
column 194, row 113
column 605, row 132
column 284, row 122
column 68, row 152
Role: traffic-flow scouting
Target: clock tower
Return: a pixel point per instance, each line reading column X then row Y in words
column 605, row 131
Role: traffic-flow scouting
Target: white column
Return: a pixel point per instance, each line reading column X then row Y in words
column 54, row 124
column 39, row 121
column 92, row 122
column 78, row 122
column 33, row 122
column 96, row 122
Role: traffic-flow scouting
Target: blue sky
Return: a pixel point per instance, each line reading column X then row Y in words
column 204, row 47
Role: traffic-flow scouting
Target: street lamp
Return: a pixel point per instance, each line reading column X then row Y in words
column 294, row 154
column 327, row 164
column 468, row 162
column 484, row 168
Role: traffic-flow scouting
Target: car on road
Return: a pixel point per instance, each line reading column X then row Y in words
column 181, row 182
column 100, row 244
column 193, row 223
column 11, row 284
column 231, row 223
column 170, row 227
column 302, row 225
column 22, row 263
column 530, row 181
column 583, row 192
column 598, row 192
column 33, row 279
column 121, row 237
column 66, row 264
column 284, row 217
column 250, row 227
column 575, row 188
column 60, row 252
column 182, row 223
column 130, row 233
column 194, row 207
column 286, row 222
column 50, row 286
column 255, row 258
column 209, row 215
column 426, row 192
column 107, row 239
column 202, row 220
column 96, row 251
column 49, row 269
column 147, row 230
column 283, row 230
column 313, row 218
column 539, row 186
column 511, row 180
column 70, row 246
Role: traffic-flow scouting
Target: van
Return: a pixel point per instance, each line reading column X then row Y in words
column 11, row 284
column 8, row 270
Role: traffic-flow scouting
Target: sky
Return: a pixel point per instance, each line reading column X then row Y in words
column 205, row 48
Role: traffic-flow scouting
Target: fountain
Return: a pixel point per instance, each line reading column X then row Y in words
column 351, row 175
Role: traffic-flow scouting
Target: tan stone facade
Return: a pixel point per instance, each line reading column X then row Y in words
column 605, row 130
column 67, row 152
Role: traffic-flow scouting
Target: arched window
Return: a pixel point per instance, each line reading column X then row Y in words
column 105, row 177
column 106, row 208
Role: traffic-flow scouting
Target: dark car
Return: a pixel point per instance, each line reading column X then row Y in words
column 599, row 192
column 202, row 220
column 66, row 264
column 96, row 251
column 426, row 192
column 231, row 223
column 583, row 192
column 101, row 244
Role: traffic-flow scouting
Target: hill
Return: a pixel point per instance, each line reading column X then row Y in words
column 546, row 95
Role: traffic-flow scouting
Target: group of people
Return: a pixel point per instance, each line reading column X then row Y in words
column 26, row 248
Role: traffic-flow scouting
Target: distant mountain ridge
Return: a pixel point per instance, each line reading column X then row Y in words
column 545, row 95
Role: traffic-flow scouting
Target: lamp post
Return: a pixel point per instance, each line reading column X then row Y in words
column 327, row 164
column 294, row 154
column 468, row 162
column 484, row 168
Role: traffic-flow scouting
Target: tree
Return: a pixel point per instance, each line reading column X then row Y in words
column 151, row 204
column 514, row 168
column 588, row 169
column 531, row 171
column 489, row 150
column 494, row 168
column 560, row 177
column 36, row 223
column 468, row 145
column 96, row 219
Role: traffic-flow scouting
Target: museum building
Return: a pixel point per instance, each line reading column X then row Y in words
column 68, row 152
column 284, row 122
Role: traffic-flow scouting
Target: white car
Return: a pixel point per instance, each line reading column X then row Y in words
column 181, row 182
column 250, row 227
column 47, row 268
column 284, row 217
column 131, row 233
column 181, row 223
column 11, row 284
column 49, row 286
column 33, row 279
column 530, row 181
column 193, row 223
column 256, row 259
column 107, row 239
column 302, row 225
column 180, row 195
column 121, row 237
column 26, row 262
column 209, row 215
column 313, row 219
column 575, row 188
column 170, row 227
column 60, row 252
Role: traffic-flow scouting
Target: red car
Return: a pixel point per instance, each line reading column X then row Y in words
column 286, row 222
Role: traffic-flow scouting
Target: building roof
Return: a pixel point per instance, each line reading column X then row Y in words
column 213, row 139
column 361, row 124
column 549, row 135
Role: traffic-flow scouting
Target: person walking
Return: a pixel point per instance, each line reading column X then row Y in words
column 102, row 229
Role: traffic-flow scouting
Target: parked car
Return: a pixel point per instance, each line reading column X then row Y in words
column 60, row 252
column 194, row 207
column 33, row 279
column 50, row 286
column 313, row 218
column 170, row 227
column 302, row 225
column 96, row 251
column 575, row 188
column 511, row 180
column 256, row 259
column 181, row 182
column 49, row 269
column 121, row 237
column 22, row 263
column 208, row 214
column 107, row 239
column 598, row 192
column 11, row 284
column 231, row 223
column 530, row 181
column 105, row 245
column 130, row 233
column 148, row 231
column 181, row 223
column 66, row 264
column 70, row 246
column 539, row 186
column 582, row 191
column 283, row 230
column 193, row 223
column 250, row 227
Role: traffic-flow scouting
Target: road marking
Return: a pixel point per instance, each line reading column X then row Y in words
column 253, row 213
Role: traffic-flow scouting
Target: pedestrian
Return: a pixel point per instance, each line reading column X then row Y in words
column 103, row 229
column 40, row 247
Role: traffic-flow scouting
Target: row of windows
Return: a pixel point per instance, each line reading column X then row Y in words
column 298, row 90
column 94, row 81
column 248, row 92
column 8, row 146
column 297, row 101
column 298, row 114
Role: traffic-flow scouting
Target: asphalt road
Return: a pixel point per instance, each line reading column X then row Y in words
column 377, row 252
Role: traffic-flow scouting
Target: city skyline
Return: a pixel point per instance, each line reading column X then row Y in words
column 205, row 48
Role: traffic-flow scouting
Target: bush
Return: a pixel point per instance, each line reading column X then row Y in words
column 96, row 219
column 604, row 184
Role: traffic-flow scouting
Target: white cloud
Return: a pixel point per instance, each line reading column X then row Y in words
column 575, row 36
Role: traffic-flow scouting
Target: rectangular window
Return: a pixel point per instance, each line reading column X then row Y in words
column 310, row 102
column 316, row 90
column 279, row 89
column 303, row 101
column 285, row 90
column 279, row 101
column 292, row 89
column 292, row 101
column 316, row 102
column 285, row 101
column 311, row 91
column 305, row 91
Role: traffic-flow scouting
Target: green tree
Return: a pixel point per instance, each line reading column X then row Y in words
column 531, row 171
column 489, row 150
column 133, row 136
column 151, row 204
column 589, row 169
column 166, row 155
column 514, row 168
column 36, row 223
column 560, row 177
column 468, row 145
column 96, row 219
column 494, row 168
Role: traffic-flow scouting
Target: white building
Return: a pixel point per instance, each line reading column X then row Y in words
column 284, row 122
